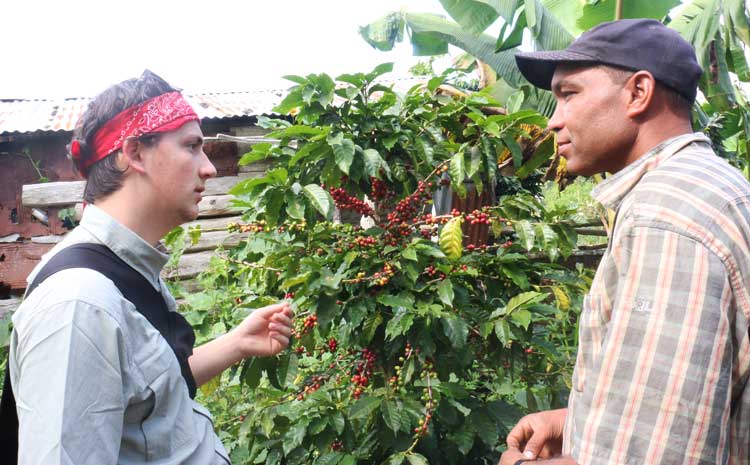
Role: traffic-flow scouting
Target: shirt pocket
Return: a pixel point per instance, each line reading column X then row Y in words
column 222, row 456
column 592, row 328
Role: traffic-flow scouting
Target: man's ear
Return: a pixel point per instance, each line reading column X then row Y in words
column 640, row 89
column 132, row 155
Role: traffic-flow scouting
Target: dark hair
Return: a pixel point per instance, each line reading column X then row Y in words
column 104, row 177
column 676, row 101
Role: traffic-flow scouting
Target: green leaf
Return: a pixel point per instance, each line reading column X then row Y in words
column 522, row 318
column 456, row 330
column 252, row 371
column 543, row 152
column 348, row 460
column 396, row 459
column 343, row 151
column 294, row 436
column 5, row 330
column 247, row 185
column 472, row 15
column 516, row 275
column 577, row 17
column 404, row 299
column 417, row 459
column 549, row 240
column 457, row 171
column 545, row 28
column 291, row 101
column 475, row 161
column 515, row 150
column 373, row 321
column 525, row 232
column 292, row 132
column 338, row 422
column 374, row 163
column 502, row 331
column 259, row 152
column 428, row 44
column 445, row 292
column 295, row 207
column 330, row 458
column 490, row 158
column 524, row 300
column 410, row 253
column 451, row 238
column 391, row 413
column 320, row 199
column 379, row 70
column 385, row 32
column 399, row 324
column 287, row 369
column 514, row 38
column 425, row 149
column 481, row 46
column 364, row 407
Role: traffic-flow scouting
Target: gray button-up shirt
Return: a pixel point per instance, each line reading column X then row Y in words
column 94, row 382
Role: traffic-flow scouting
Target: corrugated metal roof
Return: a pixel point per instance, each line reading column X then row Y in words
column 24, row 116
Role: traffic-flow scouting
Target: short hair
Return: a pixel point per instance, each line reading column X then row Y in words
column 104, row 177
column 676, row 101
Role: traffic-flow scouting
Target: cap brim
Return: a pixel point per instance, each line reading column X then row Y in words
column 538, row 67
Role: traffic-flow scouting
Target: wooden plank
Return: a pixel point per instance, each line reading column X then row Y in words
column 58, row 194
column 222, row 185
column 213, row 239
column 210, row 206
column 216, row 205
column 52, row 194
column 190, row 265
column 9, row 306
column 259, row 167
column 213, row 223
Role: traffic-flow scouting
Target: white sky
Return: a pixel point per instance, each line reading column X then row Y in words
column 72, row 48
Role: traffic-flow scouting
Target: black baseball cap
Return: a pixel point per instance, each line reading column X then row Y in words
column 635, row 44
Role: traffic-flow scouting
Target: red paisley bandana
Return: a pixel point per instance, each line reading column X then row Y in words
column 163, row 113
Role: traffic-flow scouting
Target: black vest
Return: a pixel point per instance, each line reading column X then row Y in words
column 136, row 289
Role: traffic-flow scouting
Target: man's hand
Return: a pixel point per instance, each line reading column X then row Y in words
column 265, row 331
column 511, row 456
column 538, row 435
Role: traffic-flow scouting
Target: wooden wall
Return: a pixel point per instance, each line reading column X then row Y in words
column 25, row 245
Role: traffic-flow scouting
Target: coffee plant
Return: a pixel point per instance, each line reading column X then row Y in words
column 414, row 342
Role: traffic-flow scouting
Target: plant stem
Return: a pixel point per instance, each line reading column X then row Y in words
column 618, row 10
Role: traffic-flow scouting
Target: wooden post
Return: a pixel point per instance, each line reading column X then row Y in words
column 618, row 10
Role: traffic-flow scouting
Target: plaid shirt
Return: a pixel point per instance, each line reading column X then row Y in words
column 664, row 356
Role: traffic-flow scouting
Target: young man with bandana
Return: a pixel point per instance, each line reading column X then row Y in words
column 664, row 355
column 98, row 378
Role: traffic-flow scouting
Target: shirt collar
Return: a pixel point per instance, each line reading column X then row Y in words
column 128, row 245
column 613, row 190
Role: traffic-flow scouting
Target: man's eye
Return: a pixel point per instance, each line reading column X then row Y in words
column 567, row 94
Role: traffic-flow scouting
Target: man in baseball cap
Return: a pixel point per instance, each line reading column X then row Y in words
column 663, row 357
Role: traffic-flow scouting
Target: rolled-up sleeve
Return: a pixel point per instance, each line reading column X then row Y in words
column 653, row 381
column 67, row 373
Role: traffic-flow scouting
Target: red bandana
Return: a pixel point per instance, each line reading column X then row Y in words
column 163, row 113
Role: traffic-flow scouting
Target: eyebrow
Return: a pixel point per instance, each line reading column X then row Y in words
column 556, row 88
column 195, row 138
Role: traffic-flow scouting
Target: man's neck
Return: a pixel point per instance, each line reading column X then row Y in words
column 649, row 138
column 139, row 220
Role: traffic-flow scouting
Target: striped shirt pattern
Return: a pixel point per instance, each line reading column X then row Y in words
column 664, row 358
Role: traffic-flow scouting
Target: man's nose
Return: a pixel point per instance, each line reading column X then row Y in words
column 556, row 123
column 207, row 170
